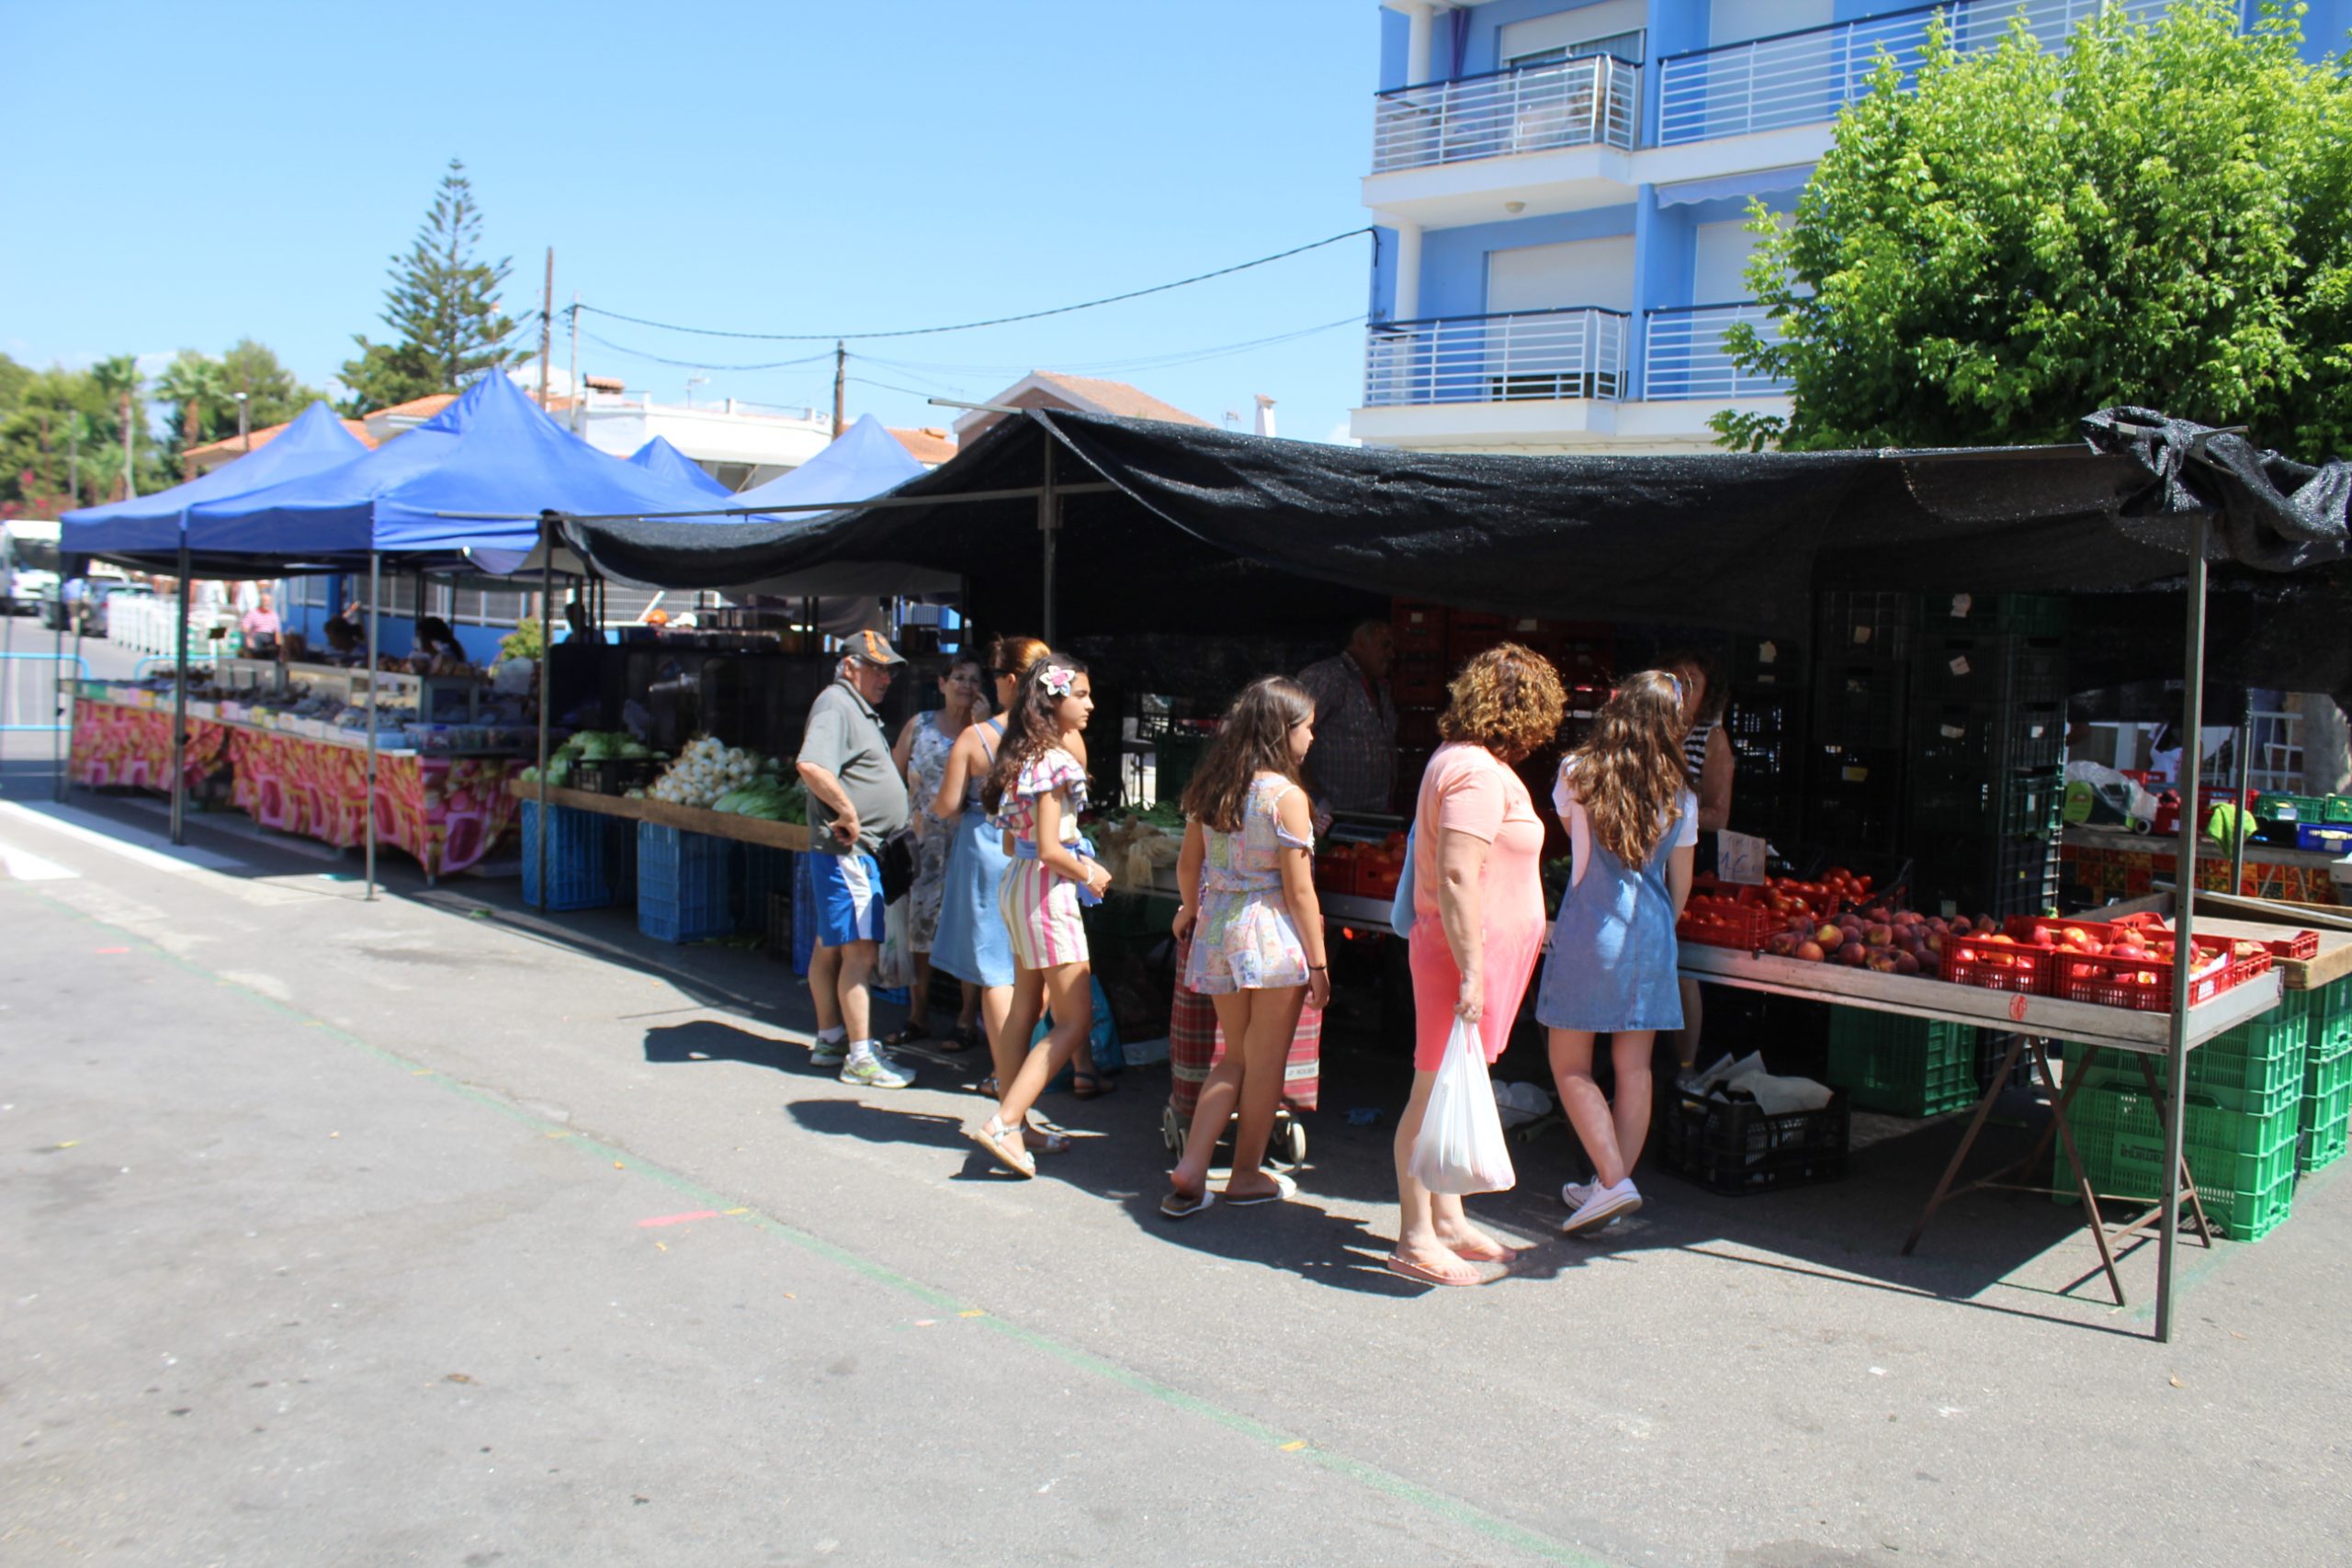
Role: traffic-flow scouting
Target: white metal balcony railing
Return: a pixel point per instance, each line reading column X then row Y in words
column 1684, row 354
column 1488, row 359
column 1803, row 77
column 1531, row 109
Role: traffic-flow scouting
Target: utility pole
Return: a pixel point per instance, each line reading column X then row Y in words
column 547, row 331
column 74, row 458
column 244, row 430
column 129, row 451
column 841, row 379
column 579, row 393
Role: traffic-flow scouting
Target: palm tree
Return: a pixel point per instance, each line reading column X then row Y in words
column 118, row 376
column 197, row 386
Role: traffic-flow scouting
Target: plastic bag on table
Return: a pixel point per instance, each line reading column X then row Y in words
column 1461, row 1147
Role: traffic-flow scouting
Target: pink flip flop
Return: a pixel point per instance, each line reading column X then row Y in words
column 1406, row 1268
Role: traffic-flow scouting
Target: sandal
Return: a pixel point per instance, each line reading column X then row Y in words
column 908, row 1033
column 1092, row 1086
column 1184, row 1205
column 1284, row 1190
column 1406, row 1268
column 987, row 1086
column 1040, row 1141
column 961, row 1040
column 993, row 1136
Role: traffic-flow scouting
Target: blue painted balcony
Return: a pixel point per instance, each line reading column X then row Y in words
column 1802, row 78
column 1592, row 101
column 1684, row 354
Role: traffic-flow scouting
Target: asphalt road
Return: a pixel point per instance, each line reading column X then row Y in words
column 426, row 1231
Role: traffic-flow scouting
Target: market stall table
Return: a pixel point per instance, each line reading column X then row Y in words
column 2114, row 863
column 661, row 813
column 448, row 811
column 2030, row 1020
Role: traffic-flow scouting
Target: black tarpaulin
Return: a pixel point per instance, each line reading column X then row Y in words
column 1172, row 525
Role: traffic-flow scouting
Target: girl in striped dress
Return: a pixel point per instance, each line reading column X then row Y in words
column 1036, row 790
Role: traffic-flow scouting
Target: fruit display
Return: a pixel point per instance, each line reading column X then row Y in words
column 710, row 769
column 1879, row 938
column 1372, row 871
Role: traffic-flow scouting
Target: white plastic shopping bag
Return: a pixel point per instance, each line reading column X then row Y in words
column 895, row 967
column 1461, row 1146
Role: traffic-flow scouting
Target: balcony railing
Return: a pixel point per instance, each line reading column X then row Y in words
column 1805, row 77
column 1533, row 109
column 1496, row 359
column 1683, row 355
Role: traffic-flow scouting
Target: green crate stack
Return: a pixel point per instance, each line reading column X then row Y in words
column 2327, row 1124
column 2244, row 1165
column 1903, row 1066
column 2256, row 1069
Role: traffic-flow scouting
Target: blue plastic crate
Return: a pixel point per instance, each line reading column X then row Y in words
column 682, row 885
column 580, row 862
column 759, row 872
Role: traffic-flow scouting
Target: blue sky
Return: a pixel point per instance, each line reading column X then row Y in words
column 248, row 169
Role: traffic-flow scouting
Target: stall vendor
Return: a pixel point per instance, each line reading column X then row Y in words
column 261, row 629
column 1353, row 766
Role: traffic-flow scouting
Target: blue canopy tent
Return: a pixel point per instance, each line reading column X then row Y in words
column 148, row 527
column 658, row 456
column 862, row 462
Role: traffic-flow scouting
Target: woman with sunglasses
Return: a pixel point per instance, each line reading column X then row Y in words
column 921, row 755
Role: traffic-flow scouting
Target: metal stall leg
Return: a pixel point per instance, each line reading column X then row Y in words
column 2184, row 946
column 375, row 606
column 179, row 712
column 546, row 695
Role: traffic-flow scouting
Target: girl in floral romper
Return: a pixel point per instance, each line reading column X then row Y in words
column 1253, row 931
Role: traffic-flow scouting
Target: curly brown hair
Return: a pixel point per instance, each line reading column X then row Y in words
column 1507, row 699
column 1629, row 772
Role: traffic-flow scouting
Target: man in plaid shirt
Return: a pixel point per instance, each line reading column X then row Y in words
column 1353, row 764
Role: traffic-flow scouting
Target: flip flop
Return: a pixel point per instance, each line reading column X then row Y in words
column 1092, row 1086
column 1284, row 1190
column 1406, row 1268
column 1501, row 1253
column 1177, row 1206
column 906, row 1035
column 961, row 1040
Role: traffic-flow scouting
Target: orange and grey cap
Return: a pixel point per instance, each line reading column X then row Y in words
column 875, row 648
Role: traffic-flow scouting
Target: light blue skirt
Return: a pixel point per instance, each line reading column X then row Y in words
column 1612, row 966
column 971, row 943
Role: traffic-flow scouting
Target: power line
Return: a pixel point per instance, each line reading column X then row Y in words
column 1142, row 362
column 993, row 322
column 696, row 364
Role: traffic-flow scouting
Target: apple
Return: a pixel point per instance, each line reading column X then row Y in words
column 1810, row 952
column 1878, row 935
column 1881, row 963
column 1852, row 952
column 1958, row 926
column 1829, row 934
column 1780, row 944
column 1906, row 963
column 2075, row 936
column 1935, row 943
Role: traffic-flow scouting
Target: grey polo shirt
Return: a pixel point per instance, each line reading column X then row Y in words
column 845, row 739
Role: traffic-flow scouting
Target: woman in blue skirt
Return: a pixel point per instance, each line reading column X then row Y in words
column 1631, row 823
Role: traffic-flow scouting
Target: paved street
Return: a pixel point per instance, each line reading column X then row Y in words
column 427, row 1231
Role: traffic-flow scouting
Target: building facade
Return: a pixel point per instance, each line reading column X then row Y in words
column 1561, row 192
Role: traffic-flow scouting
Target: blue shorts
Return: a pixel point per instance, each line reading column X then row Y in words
column 849, row 899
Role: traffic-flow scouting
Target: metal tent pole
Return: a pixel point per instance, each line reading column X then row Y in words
column 179, row 712
column 1049, row 525
column 2184, row 948
column 546, row 695
column 375, row 710
column 2238, row 777
column 59, row 715
column 73, row 708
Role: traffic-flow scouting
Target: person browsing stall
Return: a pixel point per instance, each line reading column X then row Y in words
column 1353, row 764
column 260, row 629
column 857, row 798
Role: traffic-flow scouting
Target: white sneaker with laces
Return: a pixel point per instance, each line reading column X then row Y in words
column 828, row 1053
column 873, row 1070
column 1605, row 1205
column 1577, row 1195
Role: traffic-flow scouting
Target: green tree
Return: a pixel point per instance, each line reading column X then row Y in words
column 2155, row 215
column 203, row 392
column 61, row 441
column 442, row 306
column 193, row 385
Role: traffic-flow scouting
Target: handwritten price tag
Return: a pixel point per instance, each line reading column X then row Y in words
column 2017, row 1010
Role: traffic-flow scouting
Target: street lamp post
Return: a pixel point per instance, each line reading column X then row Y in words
column 244, row 435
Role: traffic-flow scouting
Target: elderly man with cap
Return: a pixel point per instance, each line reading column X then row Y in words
column 857, row 798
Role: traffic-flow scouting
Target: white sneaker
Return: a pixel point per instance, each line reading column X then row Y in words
column 828, row 1053
column 871, row 1070
column 1577, row 1195
column 1606, row 1204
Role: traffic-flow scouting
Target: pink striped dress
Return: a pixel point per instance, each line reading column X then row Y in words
column 1040, row 906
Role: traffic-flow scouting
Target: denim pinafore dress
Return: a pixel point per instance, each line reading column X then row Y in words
column 1612, row 963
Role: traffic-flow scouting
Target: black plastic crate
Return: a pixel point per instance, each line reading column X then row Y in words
column 1760, row 715
column 1976, row 875
column 1734, row 1148
column 2037, row 670
column 1982, row 740
column 1963, row 669
column 759, row 874
column 1854, row 829
column 615, row 775
column 1860, row 702
column 1763, row 663
column 1867, row 625
column 2026, row 615
column 2004, row 806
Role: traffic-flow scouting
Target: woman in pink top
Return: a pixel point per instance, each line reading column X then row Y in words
column 1478, row 920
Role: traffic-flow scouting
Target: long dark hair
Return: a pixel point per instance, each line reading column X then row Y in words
column 1630, row 773
column 1255, row 740
column 1030, row 729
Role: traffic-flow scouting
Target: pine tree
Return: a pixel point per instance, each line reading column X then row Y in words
column 442, row 306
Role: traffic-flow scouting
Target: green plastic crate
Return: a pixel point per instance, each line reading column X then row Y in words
column 2339, row 808
column 2255, row 1069
column 1903, row 1066
column 2331, row 1019
column 2327, row 1113
column 2244, row 1165
column 2278, row 807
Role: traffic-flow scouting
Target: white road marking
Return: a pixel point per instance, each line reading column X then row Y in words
column 23, row 865
column 116, row 840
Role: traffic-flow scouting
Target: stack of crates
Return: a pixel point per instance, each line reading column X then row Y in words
column 682, row 882
column 759, row 873
column 580, row 866
column 1417, row 682
column 1860, row 693
column 1763, row 721
column 2245, row 1109
column 1903, row 1067
column 1988, row 744
column 2328, row 1076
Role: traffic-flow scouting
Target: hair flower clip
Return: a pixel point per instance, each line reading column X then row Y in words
column 1057, row 680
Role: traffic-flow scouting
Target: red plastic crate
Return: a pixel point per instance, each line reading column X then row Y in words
column 2110, row 982
column 2001, row 965
column 2024, row 927
column 1419, row 629
column 1725, row 922
column 2303, row 944
column 1335, row 874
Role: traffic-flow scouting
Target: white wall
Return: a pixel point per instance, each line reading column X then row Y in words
column 1552, row 278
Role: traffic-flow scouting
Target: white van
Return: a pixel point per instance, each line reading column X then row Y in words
column 29, row 563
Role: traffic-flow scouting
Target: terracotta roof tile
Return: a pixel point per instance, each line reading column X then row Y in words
column 930, row 445
column 231, row 446
column 1116, row 398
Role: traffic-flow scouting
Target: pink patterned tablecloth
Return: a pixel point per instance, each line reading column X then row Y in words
column 449, row 812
